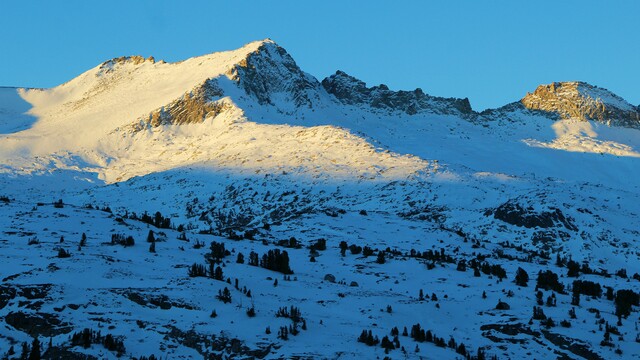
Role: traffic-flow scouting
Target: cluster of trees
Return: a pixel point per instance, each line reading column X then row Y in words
column 87, row 337
column 284, row 331
column 588, row 288
column 28, row 352
column 574, row 269
column 275, row 260
column 224, row 295
column 480, row 266
column 319, row 245
column 291, row 243
column 156, row 220
column 200, row 270
column 624, row 300
column 422, row 297
column 197, row 270
column 120, row 239
column 366, row 337
column 292, row 313
column 431, row 255
column 548, row 280
column 216, row 253
column 295, row 315
column 495, row 270
column 419, row 335
column 355, row 249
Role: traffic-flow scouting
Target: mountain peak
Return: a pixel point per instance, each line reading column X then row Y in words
column 268, row 69
column 583, row 101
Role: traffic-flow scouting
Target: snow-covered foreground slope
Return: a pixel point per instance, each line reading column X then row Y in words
column 246, row 149
column 149, row 301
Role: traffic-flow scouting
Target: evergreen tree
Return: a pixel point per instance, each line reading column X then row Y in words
column 224, row 295
column 522, row 278
column 476, row 272
column 150, row 237
column 35, row 349
column 24, row 355
column 573, row 269
column 462, row 265
column 218, row 275
column 62, row 253
column 343, row 248
column 575, row 298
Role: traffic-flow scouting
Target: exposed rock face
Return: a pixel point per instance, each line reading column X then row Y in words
column 40, row 324
column 352, row 91
column 31, row 292
column 193, row 107
column 579, row 100
column 515, row 214
column 271, row 70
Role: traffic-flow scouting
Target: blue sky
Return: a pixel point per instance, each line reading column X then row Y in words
column 490, row 51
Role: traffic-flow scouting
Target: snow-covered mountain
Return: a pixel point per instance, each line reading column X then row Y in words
column 244, row 144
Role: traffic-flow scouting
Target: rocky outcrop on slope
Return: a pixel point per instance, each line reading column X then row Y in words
column 515, row 214
column 349, row 90
column 192, row 107
column 579, row 100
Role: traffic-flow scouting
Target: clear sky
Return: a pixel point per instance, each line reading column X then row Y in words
column 492, row 52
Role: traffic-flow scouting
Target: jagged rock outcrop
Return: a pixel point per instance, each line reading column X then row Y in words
column 349, row 90
column 270, row 70
column 579, row 100
column 109, row 65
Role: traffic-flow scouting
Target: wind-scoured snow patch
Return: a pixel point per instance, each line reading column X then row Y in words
column 589, row 137
column 495, row 176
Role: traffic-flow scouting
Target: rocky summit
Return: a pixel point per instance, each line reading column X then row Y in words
column 233, row 206
column 579, row 100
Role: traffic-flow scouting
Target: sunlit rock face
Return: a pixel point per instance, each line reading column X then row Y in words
column 579, row 100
